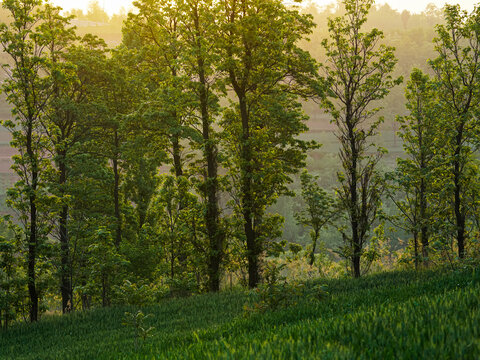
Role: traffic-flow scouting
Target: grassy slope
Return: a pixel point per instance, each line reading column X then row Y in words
column 386, row 316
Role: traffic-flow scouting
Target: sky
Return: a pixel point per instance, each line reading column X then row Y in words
column 114, row 6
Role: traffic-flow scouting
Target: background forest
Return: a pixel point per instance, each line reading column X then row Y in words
column 194, row 146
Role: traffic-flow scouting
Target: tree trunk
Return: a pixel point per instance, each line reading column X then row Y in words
column 211, row 188
column 459, row 215
column 314, row 246
column 172, row 256
column 116, row 199
column 247, row 197
column 356, row 241
column 415, row 249
column 356, row 260
column 32, row 235
column 177, row 156
column 65, row 275
column 424, row 227
column 423, row 205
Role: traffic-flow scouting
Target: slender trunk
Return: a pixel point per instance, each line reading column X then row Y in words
column 314, row 246
column 424, row 227
column 66, row 276
column 423, row 202
column 116, row 194
column 65, row 272
column 7, row 309
column 32, row 235
column 172, row 256
column 247, row 198
column 459, row 215
column 178, row 168
column 32, row 256
column 415, row 249
column 177, row 157
column 354, row 221
column 212, row 213
column 211, row 188
column 356, row 260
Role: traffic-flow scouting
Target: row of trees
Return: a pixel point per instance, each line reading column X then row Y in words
column 439, row 175
column 93, row 126
column 211, row 90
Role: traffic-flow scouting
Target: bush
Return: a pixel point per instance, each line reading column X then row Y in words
column 276, row 293
column 140, row 293
column 182, row 286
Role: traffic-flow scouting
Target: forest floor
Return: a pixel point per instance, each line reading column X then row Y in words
column 396, row 315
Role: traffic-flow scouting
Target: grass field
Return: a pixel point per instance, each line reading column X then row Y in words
column 399, row 315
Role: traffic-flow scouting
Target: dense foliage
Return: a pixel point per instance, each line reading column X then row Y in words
column 155, row 168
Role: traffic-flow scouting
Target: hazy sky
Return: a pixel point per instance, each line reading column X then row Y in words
column 112, row 6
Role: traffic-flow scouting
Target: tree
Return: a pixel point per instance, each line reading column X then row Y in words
column 177, row 42
column 417, row 175
column 457, row 70
column 265, row 69
column 178, row 224
column 96, row 13
column 154, row 32
column 60, row 124
column 104, row 264
column 358, row 71
column 405, row 17
column 117, row 94
column 28, row 90
column 199, row 34
column 319, row 209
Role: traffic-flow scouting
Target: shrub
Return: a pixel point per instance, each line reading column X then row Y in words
column 276, row 292
column 136, row 321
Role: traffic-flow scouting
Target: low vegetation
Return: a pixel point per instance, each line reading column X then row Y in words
column 396, row 315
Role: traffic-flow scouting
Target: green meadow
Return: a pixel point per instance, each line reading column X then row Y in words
column 395, row 315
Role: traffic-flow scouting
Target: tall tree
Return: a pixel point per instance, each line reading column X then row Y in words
column 117, row 95
column 263, row 66
column 358, row 71
column 416, row 174
column 457, row 69
column 177, row 41
column 28, row 89
column 199, row 34
column 60, row 125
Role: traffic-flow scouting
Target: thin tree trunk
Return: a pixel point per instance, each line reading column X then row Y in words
column 32, row 235
column 116, row 196
column 65, row 276
column 247, row 198
column 211, row 187
column 314, row 246
column 423, row 205
column 459, row 215
column 172, row 257
column 104, row 291
column 415, row 249
column 177, row 157
column 356, row 241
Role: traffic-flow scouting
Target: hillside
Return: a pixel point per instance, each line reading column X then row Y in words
column 400, row 315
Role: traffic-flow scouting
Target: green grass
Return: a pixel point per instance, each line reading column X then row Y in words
column 398, row 315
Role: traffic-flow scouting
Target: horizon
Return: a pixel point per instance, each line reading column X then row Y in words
column 414, row 6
